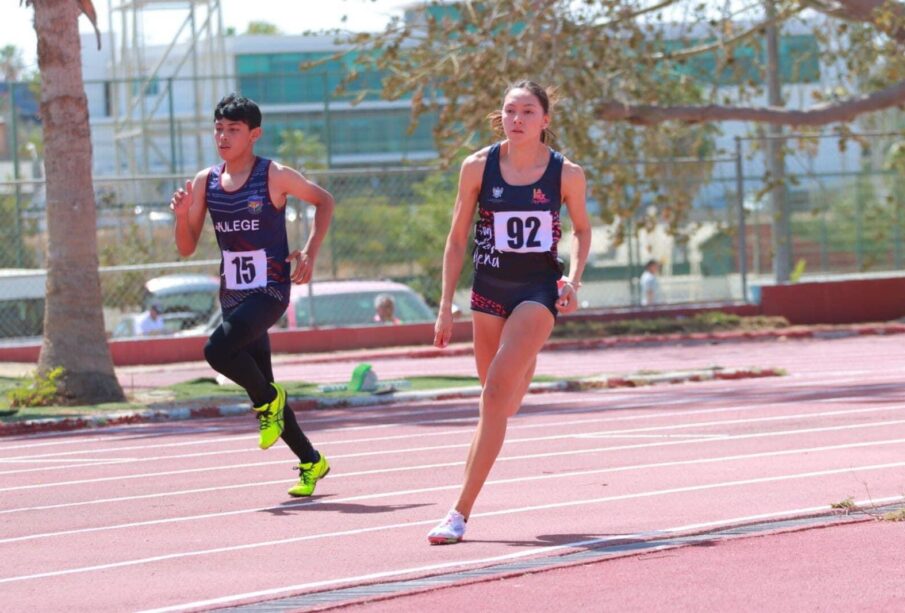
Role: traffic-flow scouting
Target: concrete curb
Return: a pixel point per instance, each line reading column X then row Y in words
column 791, row 333
column 375, row 400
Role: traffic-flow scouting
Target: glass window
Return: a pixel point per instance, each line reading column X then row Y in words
column 279, row 79
column 358, row 309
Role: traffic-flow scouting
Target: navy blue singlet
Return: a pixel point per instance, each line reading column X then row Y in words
column 518, row 227
column 251, row 233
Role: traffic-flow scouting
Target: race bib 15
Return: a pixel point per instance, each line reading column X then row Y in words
column 245, row 269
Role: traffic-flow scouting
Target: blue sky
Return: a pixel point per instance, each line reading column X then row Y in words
column 292, row 17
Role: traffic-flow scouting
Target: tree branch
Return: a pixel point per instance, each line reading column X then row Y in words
column 827, row 8
column 864, row 11
column 757, row 29
column 632, row 15
column 845, row 111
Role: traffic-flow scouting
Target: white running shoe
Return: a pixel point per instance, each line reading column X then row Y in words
column 449, row 531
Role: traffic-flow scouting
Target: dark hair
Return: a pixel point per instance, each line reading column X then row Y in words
column 651, row 262
column 238, row 108
column 545, row 95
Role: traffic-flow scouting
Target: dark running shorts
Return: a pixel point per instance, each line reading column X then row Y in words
column 499, row 297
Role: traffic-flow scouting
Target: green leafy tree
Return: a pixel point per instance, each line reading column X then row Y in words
column 11, row 63
column 262, row 28
column 304, row 152
column 428, row 228
column 366, row 235
column 634, row 83
column 13, row 250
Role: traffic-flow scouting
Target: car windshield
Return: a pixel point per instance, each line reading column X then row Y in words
column 358, row 309
column 198, row 301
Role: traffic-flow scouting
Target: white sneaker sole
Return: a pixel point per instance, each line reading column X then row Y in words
column 443, row 540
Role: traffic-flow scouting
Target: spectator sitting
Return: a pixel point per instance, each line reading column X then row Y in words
column 151, row 323
column 384, row 307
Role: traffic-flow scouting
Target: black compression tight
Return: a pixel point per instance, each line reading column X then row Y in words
column 240, row 349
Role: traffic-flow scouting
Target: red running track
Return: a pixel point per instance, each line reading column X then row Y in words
column 192, row 516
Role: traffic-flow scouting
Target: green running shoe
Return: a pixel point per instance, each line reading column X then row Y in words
column 270, row 418
column 309, row 474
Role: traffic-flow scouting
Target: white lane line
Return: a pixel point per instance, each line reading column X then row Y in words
column 690, row 397
column 339, row 414
column 667, row 436
column 855, row 376
column 565, row 398
column 249, row 437
column 547, row 549
column 122, row 433
column 68, row 460
column 409, row 524
column 528, row 408
column 328, row 444
column 542, row 477
column 436, row 466
column 501, row 459
column 458, row 407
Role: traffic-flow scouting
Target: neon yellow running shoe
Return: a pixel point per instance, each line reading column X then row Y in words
column 270, row 418
column 309, row 474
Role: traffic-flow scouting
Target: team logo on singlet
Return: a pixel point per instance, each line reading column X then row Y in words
column 539, row 197
column 497, row 192
column 255, row 205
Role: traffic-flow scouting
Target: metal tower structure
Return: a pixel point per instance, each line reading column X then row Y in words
column 168, row 67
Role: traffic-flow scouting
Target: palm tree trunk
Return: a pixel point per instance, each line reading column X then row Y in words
column 74, row 336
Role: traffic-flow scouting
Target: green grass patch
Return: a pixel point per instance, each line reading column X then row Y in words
column 201, row 389
column 703, row 322
column 7, row 384
column 204, row 388
column 435, row 383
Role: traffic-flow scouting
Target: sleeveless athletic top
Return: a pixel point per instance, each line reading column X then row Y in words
column 251, row 233
column 518, row 226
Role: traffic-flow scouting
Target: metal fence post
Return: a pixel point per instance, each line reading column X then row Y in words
column 742, row 227
column 171, row 109
column 17, row 175
column 897, row 226
column 328, row 136
column 859, row 223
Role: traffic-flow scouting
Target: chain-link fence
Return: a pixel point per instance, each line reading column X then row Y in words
column 843, row 196
column 390, row 225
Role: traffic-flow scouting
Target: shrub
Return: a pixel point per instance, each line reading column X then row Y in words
column 39, row 390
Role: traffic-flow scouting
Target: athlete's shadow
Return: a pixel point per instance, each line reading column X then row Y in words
column 578, row 541
column 293, row 506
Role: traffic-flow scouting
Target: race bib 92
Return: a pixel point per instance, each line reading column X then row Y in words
column 523, row 231
column 245, row 269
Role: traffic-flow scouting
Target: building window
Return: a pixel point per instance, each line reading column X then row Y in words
column 277, row 78
column 151, row 87
column 799, row 62
column 108, row 98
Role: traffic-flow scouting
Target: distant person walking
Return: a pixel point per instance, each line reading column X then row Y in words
column 650, row 284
